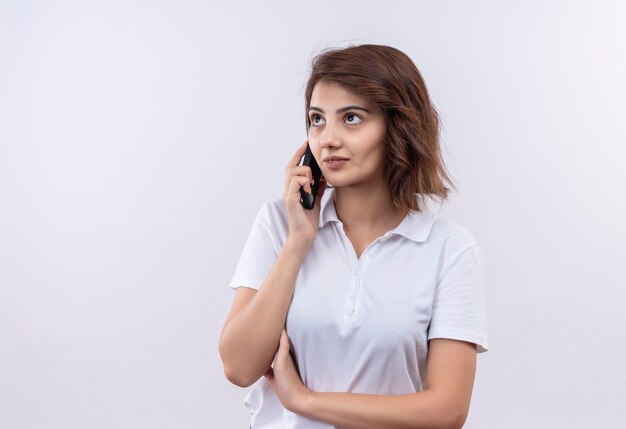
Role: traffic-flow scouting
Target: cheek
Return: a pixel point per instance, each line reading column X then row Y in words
column 315, row 148
column 314, row 145
column 373, row 157
column 373, row 152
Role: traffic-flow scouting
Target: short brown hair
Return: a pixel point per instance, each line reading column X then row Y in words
column 388, row 77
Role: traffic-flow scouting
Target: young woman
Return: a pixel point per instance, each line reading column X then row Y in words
column 366, row 311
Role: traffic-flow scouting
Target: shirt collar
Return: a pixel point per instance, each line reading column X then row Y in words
column 415, row 226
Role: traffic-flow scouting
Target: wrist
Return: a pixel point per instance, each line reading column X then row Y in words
column 306, row 403
column 297, row 246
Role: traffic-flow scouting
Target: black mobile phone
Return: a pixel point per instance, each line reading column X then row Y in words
column 309, row 200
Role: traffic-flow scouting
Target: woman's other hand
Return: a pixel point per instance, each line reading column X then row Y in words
column 285, row 381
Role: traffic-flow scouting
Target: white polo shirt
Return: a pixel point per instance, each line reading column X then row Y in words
column 363, row 325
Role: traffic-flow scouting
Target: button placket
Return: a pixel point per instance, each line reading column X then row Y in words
column 370, row 253
column 357, row 291
column 358, row 266
column 363, row 263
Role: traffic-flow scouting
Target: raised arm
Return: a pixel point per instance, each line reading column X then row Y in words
column 252, row 329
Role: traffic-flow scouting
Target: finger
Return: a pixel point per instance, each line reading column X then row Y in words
column 297, row 182
column 295, row 159
column 284, row 339
column 283, row 348
column 301, row 170
column 281, row 341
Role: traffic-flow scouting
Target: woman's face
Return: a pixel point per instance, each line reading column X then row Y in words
column 346, row 125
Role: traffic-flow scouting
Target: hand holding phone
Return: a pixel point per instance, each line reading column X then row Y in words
column 308, row 200
column 303, row 212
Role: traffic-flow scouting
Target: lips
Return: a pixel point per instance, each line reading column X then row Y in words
column 335, row 164
column 334, row 158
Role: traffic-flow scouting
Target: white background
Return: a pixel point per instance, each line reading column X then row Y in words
column 138, row 139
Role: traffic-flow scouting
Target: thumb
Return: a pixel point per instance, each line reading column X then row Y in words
column 284, row 340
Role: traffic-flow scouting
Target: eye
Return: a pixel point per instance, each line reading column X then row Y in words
column 313, row 118
column 353, row 115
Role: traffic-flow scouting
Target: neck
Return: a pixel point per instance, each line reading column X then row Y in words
column 366, row 207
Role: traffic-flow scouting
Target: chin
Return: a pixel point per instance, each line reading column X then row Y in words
column 339, row 183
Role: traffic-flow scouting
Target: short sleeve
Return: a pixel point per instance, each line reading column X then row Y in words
column 259, row 252
column 459, row 304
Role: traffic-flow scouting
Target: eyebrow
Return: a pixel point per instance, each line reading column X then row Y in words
column 343, row 109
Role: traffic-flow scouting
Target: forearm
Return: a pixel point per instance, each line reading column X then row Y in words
column 361, row 411
column 249, row 341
